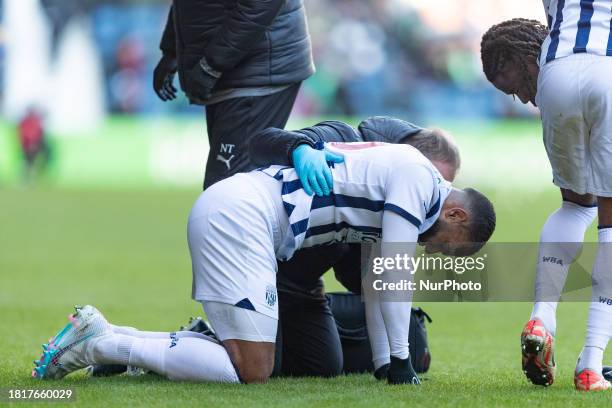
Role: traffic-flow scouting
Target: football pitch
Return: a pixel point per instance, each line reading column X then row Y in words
column 125, row 252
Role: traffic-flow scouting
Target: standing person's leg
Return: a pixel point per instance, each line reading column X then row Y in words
column 232, row 122
column 561, row 240
column 29, row 156
column 599, row 325
column 597, row 104
column 565, row 134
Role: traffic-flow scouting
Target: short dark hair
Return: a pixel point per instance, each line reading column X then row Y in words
column 518, row 38
column 435, row 144
column 482, row 219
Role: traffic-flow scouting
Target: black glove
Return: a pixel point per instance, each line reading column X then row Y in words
column 163, row 76
column 200, row 80
column 401, row 372
column 382, row 372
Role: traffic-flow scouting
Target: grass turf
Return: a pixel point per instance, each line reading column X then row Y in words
column 126, row 253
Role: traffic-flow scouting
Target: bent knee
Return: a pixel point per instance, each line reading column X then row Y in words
column 254, row 361
column 334, row 367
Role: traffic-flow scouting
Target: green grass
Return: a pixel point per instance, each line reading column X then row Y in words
column 126, row 253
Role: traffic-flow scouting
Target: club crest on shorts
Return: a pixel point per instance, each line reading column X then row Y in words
column 270, row 295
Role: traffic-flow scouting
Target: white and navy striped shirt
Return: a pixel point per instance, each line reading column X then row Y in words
column 577, row 26
column 375, row 177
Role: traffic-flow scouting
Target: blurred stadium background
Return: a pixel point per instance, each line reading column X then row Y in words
column 85, row 66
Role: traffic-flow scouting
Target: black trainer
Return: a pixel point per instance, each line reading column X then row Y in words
column 607, row 372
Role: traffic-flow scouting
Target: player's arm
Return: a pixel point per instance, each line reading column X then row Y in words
column 163, row 75
column 168, row 40
column 276, row 146
column 387, row 129
column 303, row 149
column 409, row 190
column 377, row 333
column 388, row 314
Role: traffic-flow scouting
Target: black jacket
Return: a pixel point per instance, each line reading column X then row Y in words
column 252, row 42
column 275, row 146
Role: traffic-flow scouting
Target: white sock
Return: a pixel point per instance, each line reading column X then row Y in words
column 560, row 241
column 547, row 313
column 111, row 349
column 134, row 332
column 599, row 326
column 180, row 359
column 590, row 357
column 131, row 331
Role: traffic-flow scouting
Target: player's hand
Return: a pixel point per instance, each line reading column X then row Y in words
column 163, row 78
column 200, row 80
column 401, row 372
column 312, row 167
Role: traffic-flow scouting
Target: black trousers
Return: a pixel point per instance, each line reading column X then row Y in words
column 308, row 342
column 232, row 122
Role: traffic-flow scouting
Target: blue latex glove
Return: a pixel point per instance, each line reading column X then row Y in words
column 312, row 167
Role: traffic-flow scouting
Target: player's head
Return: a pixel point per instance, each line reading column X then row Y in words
column 466, row 222
column 440, row 149
column 510, row 52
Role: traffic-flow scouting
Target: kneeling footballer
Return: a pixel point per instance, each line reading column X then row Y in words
column 240, row 226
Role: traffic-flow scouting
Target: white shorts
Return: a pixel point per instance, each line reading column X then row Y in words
column 575, row 100
column 233, row 232
column 232, row 322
